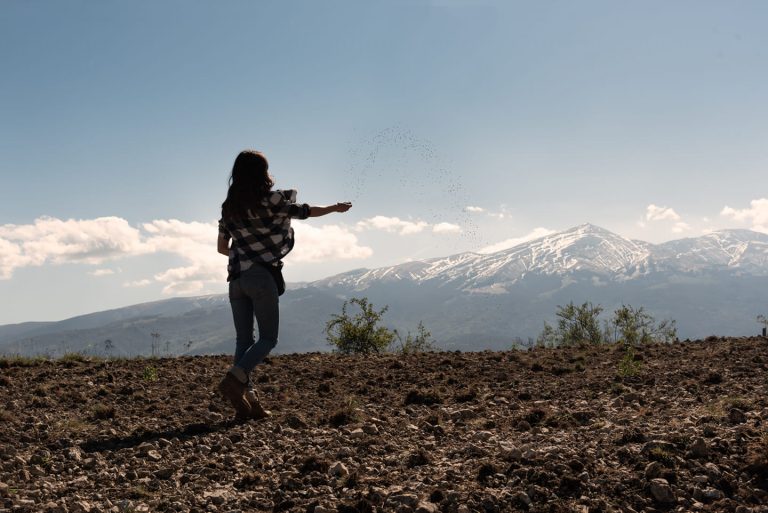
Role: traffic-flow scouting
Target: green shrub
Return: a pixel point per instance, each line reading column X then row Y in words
column 576, row 325
column 634, row 326
column 628, row 366
column 548, row 337
column 75, row 357
column 359, row 333
column 580, row 325
column 150, row 373
column 418, row 343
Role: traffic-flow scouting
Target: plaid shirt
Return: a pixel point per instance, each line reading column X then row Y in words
column 265, row 236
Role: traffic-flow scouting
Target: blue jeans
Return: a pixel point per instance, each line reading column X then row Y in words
column 254, row 294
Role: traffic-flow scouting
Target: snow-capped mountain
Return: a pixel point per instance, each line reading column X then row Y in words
column 741, row 250
column 713, row 284
column 584, row 248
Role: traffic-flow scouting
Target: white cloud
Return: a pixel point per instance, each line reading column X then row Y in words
column 510, row 243
column 392, row 225
column 90, row 241
column 656, row 213
column 195, row 243
column 667, row 216
column 10, row 258
column 192, row 278
column 137, row 283
column 501, row 214
column 446, row 228
column 177, row 288
column 101, row 272
column 403, row 227
column 53, row 241
column 323, row 243
column 756, row 214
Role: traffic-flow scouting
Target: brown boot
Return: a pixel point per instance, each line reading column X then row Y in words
column 257, row 410
column 232, row 389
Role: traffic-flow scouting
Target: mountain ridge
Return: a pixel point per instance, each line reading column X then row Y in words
column 468, row 300
column 592, row 248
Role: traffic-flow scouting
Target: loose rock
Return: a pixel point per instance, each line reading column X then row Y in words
column 699, row 448
column 661, row 491
column 338, row 469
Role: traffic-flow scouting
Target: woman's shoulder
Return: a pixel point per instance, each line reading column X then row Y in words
column 280, row 196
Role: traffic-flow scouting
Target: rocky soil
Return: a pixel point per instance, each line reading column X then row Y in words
column 543, row 430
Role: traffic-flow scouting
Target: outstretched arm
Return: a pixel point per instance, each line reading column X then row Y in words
column 316, row 211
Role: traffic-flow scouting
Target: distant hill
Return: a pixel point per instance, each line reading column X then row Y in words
column 714, row 284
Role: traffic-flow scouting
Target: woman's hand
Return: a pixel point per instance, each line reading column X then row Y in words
column 343, row 206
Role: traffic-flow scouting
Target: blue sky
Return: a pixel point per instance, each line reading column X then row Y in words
column 119, row 122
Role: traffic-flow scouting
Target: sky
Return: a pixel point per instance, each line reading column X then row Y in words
column 452, row 125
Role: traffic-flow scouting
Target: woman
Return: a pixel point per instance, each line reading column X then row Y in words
column 257, row 222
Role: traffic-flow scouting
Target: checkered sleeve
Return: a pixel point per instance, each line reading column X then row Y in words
column 223, row 231
column 298, row 211
column 289, row 208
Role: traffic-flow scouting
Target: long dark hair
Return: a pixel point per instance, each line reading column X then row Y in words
column 250, row 182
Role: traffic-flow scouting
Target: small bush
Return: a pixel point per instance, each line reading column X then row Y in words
column 635, row 326
column 359, row 333
column 150, row 373
column 548, row 337
column 628, row 366
column 579, row 325
column 419, row 343
column 73, row 357
column 576, row 325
